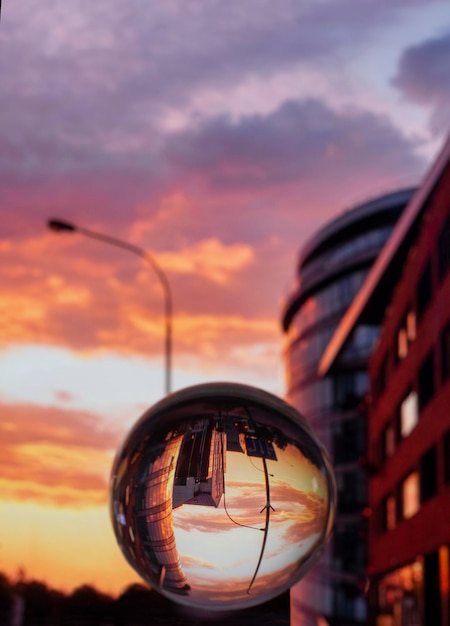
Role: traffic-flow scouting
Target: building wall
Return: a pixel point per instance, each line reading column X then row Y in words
column 332, row 268
column 409, row 435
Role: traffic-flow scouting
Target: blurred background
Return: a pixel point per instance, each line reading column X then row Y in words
column 221, row 137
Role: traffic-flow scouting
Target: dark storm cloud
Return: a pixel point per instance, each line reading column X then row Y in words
column 424, row 77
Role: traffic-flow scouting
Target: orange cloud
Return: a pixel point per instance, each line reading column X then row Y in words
column 303, row 512
column 57, row 292
column 209, row 258
column 54, row 456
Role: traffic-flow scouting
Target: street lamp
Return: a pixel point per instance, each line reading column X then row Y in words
column 60, row 225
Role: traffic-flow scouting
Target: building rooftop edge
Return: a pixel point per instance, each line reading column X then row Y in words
column 353, row 214
column 348, row 218
column 384, row 260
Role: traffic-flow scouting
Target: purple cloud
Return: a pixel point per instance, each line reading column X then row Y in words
column 294, row 143
column 423, row 76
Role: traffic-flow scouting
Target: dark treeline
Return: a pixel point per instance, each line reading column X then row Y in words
column 32, row 603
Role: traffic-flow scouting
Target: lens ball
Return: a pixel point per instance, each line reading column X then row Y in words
column 221, row 496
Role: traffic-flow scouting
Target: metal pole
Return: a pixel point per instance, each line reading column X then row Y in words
column 267, row 508
column 59, row 225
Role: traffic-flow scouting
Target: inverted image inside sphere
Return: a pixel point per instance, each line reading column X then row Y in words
column 221, row 496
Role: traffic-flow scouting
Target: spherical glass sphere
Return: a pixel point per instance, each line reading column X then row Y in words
column 222, row 497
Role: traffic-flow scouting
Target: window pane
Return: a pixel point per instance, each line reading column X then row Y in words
column 411, row 495
column 411, row 326
column 388, row 441
column 389, row 513
column 428, row 474
column 409, row 414
column 399, row 597
column 402, row 343
column 426, row 380
column 424, row 290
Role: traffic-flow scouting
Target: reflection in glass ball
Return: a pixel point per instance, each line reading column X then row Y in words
column 221, row 496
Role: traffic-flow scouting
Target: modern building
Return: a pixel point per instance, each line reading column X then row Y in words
column 409, row 432
column 150, row 515
column 331, row 270
column 408, row 293
column 201, row 465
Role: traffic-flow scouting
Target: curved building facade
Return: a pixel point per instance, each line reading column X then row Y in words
column 331, row 269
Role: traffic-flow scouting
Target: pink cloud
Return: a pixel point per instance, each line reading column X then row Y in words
column 302, row 512
column 56, row 456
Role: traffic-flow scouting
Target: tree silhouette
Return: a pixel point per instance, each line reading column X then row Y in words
column 87, row 607
column 6, row 599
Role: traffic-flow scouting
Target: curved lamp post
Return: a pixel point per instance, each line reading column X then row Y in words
column 60, row 225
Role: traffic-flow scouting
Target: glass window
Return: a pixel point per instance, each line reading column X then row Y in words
column 428, row 475
column 348, row 440
column 364, row 243
column 399, row 597
column 349, row 389
column 402, row 343
column 406, row 334
column 410, row 495
column 409, row 414
column 411, row 328
column 352, row 492
column 314, row 398
column 348, row 603
column 304, row 354
column 426, row 380
column 424, row 289
column 346, row 553
column 389, row 513
column 363, row 339
column 388, row 444
column 332, row 300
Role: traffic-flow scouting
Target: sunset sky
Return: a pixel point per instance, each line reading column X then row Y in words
column 219, row 135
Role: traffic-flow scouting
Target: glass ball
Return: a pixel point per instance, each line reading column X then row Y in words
column 221, row 496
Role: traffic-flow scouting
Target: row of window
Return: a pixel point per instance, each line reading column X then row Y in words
column 325, row 396
column 349, row 549
column 426, row 286
column 417, row 487
column 349, row 440
column 406, row 334
column 304, row 354
column 351, row 492
column 416, row 593
column 405, row 421
column 331, row 300
column 366, row 243
column 408, row 412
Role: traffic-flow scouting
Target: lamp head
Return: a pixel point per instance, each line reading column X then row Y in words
column 59, row 225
